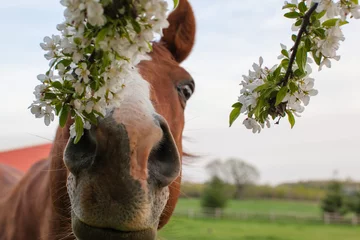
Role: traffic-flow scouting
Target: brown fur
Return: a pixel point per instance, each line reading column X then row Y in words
column 38, row 206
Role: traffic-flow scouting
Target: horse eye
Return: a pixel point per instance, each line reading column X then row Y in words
column 186, row 90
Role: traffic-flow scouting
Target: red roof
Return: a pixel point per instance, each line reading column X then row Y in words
column 24, row 158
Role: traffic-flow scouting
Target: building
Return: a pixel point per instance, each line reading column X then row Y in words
column 24, row 158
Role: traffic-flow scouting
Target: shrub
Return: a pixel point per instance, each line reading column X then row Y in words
column 215, row 194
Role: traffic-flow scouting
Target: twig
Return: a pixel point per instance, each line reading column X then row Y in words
column 305, row 23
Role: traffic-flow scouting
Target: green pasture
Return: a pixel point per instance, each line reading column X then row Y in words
column 183, row 228
column 257, row 206
column 211, row 229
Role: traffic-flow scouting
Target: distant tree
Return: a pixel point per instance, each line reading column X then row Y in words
column 334, row 201
column 214, row 168
column 353, row 203
column 215, row 194
column 236, row 172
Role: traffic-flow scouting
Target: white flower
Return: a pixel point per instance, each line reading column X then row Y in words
column 326, row 62
column 72, row 131
column 124, row 53
column 95, row 13
column 330, row 7
column 51, row 45
column 294, row 102
column 77, row 56
column 48, row 115
column 43, row 110
column 78, row 105
column 83, row 72
column 37, row 111
column 79, row 88
column 89, row 106
column 251, row 123
column 47, row 77
column 345, row 10
column 61, row 69
column 283, row 47
column 39, row 91
column 331, row 44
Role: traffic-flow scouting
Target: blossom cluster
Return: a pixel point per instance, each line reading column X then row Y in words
column 286, row 88
column 94, row 58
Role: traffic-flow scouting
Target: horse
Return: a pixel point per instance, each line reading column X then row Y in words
column 122, row 179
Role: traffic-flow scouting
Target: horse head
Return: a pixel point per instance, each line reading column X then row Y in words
column 123, row 177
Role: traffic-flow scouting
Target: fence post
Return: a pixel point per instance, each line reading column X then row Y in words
column 272, row 216
column 190, row 213
column 218, row 212
column 327, row 218
column 354, row 220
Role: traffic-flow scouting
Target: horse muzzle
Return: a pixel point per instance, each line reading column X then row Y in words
column 83, row 231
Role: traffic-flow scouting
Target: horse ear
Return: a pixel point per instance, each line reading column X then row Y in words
column 179, row 37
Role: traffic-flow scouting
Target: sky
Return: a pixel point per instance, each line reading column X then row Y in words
column 231, row 35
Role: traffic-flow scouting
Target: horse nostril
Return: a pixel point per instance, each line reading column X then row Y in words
column 164, row 160
column 81, row 155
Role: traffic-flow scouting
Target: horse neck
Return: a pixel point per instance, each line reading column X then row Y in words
column 27, row 206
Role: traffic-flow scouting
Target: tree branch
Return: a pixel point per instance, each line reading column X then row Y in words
column 305, row 23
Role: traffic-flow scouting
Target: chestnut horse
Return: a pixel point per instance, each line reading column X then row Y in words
column 122, row 180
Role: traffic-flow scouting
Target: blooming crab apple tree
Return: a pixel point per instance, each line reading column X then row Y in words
column 286, row 89
column 95, row 57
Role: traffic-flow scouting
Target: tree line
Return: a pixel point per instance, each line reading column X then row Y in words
column 236, row 179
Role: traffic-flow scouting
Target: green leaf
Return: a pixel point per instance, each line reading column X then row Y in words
column 64, row 113
column 285, row 63
column 316, row 58
column 320, row 32
column 77, row 41
column 98, row 113
column 293, row 87
column 176, row 3
column 355, row 2
column 291, row 118
column 301, row 58
column 289, row 5
column 298, row 73
column 285, row 53
column 333, row 22
column 65, row 62
column 101, row 36
column 262, row 87
column 292, row 15
column 237, row 105
column 302, row 7
column 276, row 73
column 319, row 15
column 91, row 118
column 308, row 44
column 235, row 113
column 58, row 107
column 293, row 37
column 298, row 22
column 281, row 95
column 135, row 25
column 150, row 46
column 50, row 96
column 268, row 93
column 57, row 85
column 79, row 128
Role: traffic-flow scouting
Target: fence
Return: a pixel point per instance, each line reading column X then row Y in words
column 327, row 218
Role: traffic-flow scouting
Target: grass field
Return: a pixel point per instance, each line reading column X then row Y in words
column 260, row 206
column 201, row 229
column 215, row 229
